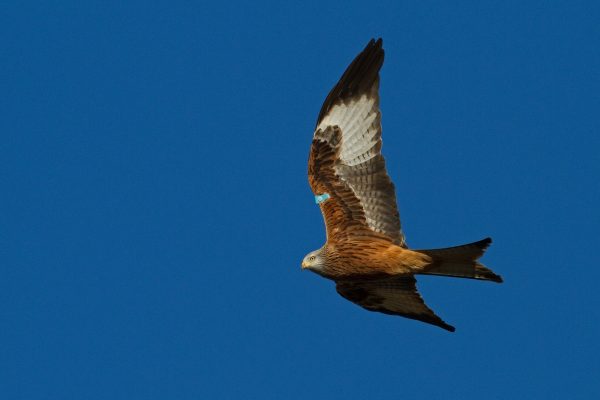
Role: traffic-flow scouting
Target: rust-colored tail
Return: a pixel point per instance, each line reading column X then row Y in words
column 461, row 262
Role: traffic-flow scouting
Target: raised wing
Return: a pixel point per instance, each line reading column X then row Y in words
column 345, row 160
column 395, row 296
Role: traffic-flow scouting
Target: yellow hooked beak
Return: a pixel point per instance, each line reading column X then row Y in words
column 304, row 265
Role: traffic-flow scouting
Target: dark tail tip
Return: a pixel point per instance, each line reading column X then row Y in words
column 484, row 244
column 490, row 276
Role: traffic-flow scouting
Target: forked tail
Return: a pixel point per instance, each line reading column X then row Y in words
column 461, row 262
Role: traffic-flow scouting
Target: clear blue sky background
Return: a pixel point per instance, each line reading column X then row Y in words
column 155, row 209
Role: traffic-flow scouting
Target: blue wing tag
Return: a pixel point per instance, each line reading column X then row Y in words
column 321, row 198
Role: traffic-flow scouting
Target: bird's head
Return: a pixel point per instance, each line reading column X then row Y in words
column 314, row 260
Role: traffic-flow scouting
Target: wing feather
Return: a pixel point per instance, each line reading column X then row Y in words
column 344, row 215
column 350, row 124
column 395, row 296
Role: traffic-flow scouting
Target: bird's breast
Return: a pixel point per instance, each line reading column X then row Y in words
column 371, row 258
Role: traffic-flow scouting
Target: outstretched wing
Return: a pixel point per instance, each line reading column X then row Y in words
column 395, row 296
column 345, row 159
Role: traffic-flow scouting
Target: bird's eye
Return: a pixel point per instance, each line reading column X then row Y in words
column 312, row 258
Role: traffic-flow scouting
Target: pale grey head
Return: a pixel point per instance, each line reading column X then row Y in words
column 315, row 260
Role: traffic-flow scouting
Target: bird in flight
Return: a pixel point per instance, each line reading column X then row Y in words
column 366, row 252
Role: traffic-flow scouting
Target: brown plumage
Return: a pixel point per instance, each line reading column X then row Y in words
column 366, row 252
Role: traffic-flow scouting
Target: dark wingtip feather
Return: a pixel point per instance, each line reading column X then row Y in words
column 358, row 78
column 437, row 321
column 441, row 324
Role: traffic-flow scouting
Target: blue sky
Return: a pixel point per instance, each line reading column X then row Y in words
column 155, row 207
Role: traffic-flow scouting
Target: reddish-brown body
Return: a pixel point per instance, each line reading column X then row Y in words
column 371, row 258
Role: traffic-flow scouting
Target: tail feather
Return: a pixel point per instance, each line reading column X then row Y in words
column 461, row 262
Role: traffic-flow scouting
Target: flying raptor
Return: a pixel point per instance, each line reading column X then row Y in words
column 366, row 252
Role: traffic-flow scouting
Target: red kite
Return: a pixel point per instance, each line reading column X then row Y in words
column 366, row 252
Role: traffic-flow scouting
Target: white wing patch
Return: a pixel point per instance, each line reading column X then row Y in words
column 361, row 165
column 360, row 123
